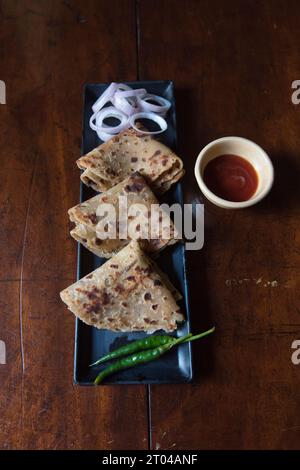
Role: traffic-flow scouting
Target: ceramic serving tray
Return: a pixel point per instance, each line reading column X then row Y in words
column 91, row 343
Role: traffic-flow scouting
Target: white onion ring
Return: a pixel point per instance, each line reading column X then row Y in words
column 151, row 116
column 92, row 119
column 104, row 136
column 108, row 94
column 126, row 100
column 106, row 113
column 105, row 97
column 123, row 87
column 161, row 108
column 126, row 105
column 129, row 93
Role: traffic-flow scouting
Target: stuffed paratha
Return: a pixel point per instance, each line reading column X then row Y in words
column 130, row 151
column 127, row 293
column 92, row 230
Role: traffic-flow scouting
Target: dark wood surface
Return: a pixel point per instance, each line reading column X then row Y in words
column 233, row 64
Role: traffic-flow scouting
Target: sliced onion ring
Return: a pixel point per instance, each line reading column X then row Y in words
column 161, row 108
column 129, row 93
column 104, row 136
column 126, row 100
column 126, row 105
column 105, row 97
column 107, row 113
column 123, row 87
column 152, row 117
column 92, row 119
column 108, row 94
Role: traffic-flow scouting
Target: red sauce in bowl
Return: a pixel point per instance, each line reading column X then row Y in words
column 231, row 177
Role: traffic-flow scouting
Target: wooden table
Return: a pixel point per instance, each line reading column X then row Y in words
column 233, row 63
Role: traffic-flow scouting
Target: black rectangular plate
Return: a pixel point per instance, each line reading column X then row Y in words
column 91, row 343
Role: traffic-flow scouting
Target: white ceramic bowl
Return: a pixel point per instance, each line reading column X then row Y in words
column 244, row 148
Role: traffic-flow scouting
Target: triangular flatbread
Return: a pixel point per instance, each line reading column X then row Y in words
column 130, row 151
column 127, row 293
column 90, row 227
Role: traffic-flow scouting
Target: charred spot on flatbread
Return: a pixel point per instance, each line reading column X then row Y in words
column 93, row 218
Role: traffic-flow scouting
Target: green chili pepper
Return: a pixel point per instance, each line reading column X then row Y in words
column 140, row 357
column 145, row 356
column 150, row 342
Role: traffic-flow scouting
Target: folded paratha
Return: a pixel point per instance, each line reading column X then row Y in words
column 130, row 151
column 127, row 293
column 91, row 229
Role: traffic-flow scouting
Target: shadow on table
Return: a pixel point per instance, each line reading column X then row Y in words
column 285, row 193
column 201, row 315
column 191, row 139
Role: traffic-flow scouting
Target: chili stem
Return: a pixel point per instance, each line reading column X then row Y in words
column 201, row 335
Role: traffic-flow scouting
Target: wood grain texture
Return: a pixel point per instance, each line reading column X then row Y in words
column 10, row 373
column 48, row 51
column 233, row 64
column 57, row 414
